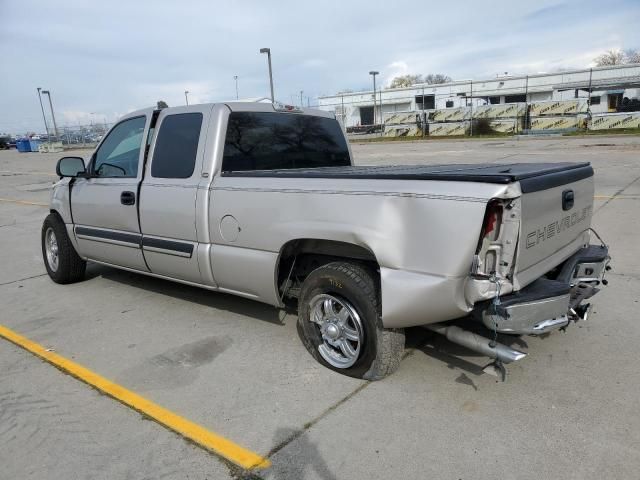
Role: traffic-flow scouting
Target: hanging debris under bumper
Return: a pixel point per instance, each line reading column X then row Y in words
column 550, row 302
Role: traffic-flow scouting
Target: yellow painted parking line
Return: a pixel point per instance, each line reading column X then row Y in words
column 48, row 174
column 24, row 202
column 205, row 438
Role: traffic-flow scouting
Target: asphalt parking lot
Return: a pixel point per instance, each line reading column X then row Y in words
column 569, row 410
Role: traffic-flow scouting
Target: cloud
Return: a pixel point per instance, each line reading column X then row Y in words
column 117, row 56
column 395, row 69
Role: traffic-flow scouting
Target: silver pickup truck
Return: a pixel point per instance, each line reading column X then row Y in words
column 264, row 201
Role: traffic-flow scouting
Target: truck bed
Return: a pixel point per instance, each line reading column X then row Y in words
column 532, row 176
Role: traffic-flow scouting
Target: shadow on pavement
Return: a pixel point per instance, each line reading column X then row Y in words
column 303, row 456
column 201, row 296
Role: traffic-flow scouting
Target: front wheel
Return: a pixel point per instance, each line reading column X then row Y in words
column 61, row 260
column 340, row 324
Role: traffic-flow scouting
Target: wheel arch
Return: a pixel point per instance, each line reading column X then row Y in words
column 69, row 227
column 298, row 257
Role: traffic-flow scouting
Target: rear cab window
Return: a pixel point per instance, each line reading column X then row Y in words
column 273, row 141
column 176, row 146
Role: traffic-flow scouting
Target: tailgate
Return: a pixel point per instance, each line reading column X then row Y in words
column 555, row 219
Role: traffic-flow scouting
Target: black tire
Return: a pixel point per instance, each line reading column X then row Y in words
column 381, row 349
column 70, row 267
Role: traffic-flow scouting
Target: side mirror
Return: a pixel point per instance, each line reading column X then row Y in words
column 70, row 167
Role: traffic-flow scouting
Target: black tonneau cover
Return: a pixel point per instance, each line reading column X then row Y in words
column 532, row 176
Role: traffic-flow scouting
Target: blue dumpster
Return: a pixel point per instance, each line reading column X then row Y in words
column 34, row 144
column 23, row 145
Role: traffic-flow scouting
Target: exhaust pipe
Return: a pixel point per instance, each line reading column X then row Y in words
column 477, row 343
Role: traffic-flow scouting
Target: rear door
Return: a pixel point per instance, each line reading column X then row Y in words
column 105, row 206
column 169, row 191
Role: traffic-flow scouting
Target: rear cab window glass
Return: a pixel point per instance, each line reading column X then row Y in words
column 270, row 141
column 176, row 146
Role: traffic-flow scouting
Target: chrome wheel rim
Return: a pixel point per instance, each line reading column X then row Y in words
column 51, row 249
column 340, row 330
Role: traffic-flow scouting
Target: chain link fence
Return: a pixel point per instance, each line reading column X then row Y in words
column 82, row 135
column 503, row 106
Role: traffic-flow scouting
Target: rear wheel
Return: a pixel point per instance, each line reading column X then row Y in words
column 340, row 324
column 61, row 260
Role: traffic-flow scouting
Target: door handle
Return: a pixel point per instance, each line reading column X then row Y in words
column 128, row 198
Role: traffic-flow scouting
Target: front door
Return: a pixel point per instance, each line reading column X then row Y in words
column 105, row 206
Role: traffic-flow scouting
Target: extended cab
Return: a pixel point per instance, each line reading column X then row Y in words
column 263, row 201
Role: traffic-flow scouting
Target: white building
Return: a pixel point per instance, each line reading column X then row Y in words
column 608, row 87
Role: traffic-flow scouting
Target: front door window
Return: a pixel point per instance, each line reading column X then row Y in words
column 119, row 154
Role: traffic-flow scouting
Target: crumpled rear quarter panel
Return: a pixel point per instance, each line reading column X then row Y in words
column 422, row 233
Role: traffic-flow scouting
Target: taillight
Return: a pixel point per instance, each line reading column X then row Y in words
column 492, row 220
column 485, row 259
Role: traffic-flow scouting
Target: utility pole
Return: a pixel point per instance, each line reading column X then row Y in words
column 381, row 118
column 53, row 115
column 471, row 123
column 44, row 117
column 424, row 118
column 589, row 99
column 186, row 97
column 526, row 104
column 373, row 73
column 268, row 52
column 301, row 102
column 235, row 77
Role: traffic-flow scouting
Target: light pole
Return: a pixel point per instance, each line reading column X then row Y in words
column 268, row 52
column 186, row 96
column 301, row 104
column 44, row 117
column 373, row 73
column 235, row 77
column 53, row 115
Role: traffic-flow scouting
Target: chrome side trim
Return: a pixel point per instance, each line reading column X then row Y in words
column 166, row 251
column 354, row 192
column 170, row 247
column 124, row 239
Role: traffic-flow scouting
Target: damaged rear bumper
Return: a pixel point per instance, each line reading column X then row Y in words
column 549, row 303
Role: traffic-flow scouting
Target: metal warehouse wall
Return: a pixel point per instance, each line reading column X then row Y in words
column 540, row 87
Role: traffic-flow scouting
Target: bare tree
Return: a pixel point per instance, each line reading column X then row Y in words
column 435, row 78
column 631, row 55
column 611, row 57
column 405, row 81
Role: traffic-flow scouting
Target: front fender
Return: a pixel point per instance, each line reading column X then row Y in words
column 59, row 200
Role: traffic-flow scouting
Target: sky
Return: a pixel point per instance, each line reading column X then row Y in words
column 102, row 59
